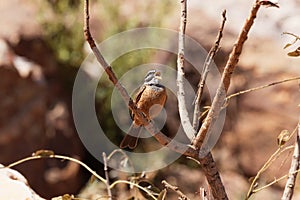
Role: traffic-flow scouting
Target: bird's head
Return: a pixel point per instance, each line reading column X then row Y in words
column 152, row 77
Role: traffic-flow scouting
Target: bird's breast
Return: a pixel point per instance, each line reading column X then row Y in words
column 152, row 100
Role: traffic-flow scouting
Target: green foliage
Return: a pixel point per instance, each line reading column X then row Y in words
column 62, row 29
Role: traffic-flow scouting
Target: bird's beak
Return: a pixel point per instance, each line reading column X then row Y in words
column 157, row 75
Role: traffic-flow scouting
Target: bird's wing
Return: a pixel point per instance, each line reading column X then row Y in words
column 139, row 94
column 137, row 98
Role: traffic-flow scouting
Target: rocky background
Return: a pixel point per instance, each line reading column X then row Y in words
column 36, row 85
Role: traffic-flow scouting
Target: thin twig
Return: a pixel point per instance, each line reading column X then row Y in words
column 260, row 87
column 296, row 38
column 125, row 156
column 268, row 163
column 61, row 157
column 276, row 180
column 290, row 184
column 175, row 189
column 292, row 34
column 272, row 158
column 205, row 71
column 183, row 113
column 133, row 184
column 106, row 176
column 219, row 98
column 56, row 157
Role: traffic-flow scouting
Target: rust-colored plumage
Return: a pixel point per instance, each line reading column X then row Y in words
column 150, row 99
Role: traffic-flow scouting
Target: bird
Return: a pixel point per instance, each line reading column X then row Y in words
column 150, row 99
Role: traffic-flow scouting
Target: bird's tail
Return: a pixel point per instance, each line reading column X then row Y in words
column 131, row 138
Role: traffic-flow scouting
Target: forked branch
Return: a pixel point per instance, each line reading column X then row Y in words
column 218, row 100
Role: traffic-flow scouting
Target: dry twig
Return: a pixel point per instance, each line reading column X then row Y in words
column 276, row 180
column 296, row 52
column 211, row 54
column 106, row 176
column 290, row 184
column 259, row 88
column 253, row 187
column 296, row 38
column 292, row 34
column 175, row 189
column 46, row 154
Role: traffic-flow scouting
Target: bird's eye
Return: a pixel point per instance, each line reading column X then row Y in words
column 150, row 73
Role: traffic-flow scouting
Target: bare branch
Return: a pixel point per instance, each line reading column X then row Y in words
column 183, row 113
column 205, row 72
column 106, row 176
column 237, row 49
column 175, row 189
column 290, row 184
column 212, row 175
column 260, row 87
column 218, row 100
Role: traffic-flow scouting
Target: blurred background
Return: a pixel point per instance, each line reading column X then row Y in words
column 42, row 47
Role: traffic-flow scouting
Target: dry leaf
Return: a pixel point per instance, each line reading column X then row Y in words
column 269, row 4
column 295, row 53
column 287, row 45
column 283, row 137
column 43, row 153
